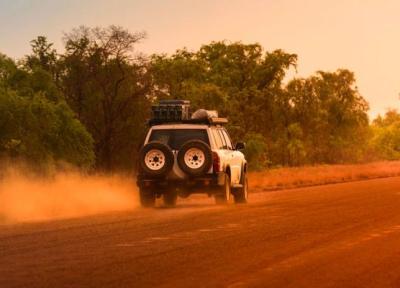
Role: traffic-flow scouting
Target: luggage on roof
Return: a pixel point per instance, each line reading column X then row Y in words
column 204, row 114
column 178, row 111
column 171, row 110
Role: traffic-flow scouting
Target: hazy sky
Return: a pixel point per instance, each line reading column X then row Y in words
column 363, row 36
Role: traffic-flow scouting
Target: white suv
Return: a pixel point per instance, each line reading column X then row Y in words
column 185, row 156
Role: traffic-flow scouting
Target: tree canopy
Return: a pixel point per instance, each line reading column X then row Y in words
column 320, row 119
column 36, row 125
column 88, row 105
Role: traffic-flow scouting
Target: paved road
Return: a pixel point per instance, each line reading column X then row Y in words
column 343, row 235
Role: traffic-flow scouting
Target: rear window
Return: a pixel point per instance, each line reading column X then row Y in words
column 175, row 138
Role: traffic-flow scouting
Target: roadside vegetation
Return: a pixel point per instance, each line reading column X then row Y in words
column 88, row 104
column 295, row 177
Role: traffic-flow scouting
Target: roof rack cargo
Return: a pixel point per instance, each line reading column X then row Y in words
column 171, row 110
column 177, row 111
column 174, row 102
column 209, row 121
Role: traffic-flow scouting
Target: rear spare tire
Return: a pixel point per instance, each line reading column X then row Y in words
column 156, row 159
column 195, row 157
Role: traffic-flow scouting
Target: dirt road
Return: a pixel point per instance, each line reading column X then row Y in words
column 343, row 235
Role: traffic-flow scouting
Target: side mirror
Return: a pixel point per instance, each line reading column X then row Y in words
column 240, row 146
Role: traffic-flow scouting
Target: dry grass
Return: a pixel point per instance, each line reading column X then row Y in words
column 283, row 178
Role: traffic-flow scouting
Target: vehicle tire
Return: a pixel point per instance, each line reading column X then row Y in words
column 170, row 196
column 240, row 195
column 195, row 157
column 147, row 197
column 156, row 159
column 223, row 196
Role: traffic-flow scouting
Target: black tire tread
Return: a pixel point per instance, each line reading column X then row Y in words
column 170, row 197
column 147, row 197
column 220, row 197
column 239, row 193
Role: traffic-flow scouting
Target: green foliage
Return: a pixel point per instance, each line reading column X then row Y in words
column 385, row 142
column 295, row 146
column 42, row 132
column 34, row 125
column 28, row 82
column 332, row 116
column 43, row 56
column 106, row 87
column 256, row 151
column 89, row 105
column 321, row 119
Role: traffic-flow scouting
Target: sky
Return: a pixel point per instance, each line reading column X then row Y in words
column 360, row 35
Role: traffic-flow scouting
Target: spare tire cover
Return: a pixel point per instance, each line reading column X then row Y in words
column 156, row 159
column 195, row 157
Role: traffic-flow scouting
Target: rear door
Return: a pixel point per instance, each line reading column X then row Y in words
column 175, row 138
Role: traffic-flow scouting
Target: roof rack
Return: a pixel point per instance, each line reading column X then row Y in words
column 208, row 121
column 178, row 111
column 168, row 110
column 218, row 121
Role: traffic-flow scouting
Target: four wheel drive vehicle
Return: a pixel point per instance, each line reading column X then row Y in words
column 183, row 155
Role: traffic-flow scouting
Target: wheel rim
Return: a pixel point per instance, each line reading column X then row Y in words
column 154, row 159
column 194, row 158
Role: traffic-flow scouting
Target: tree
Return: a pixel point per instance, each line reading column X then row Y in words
column 36, row 129
column 385, row 140
column 107, row 87
column 332, row 115
column 29, row 78
column 43, row 56
column 238, row 80
column 256, row 151
column 318, row 119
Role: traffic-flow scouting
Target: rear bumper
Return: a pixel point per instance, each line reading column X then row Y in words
column 205, row 181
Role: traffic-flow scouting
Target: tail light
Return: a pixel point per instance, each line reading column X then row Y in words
column 216, row 162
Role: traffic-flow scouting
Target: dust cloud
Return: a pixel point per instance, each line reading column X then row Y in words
column 25, row 198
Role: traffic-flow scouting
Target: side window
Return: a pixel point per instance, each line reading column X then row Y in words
column 227, row 139
column 224, row 145
column 217, row 138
